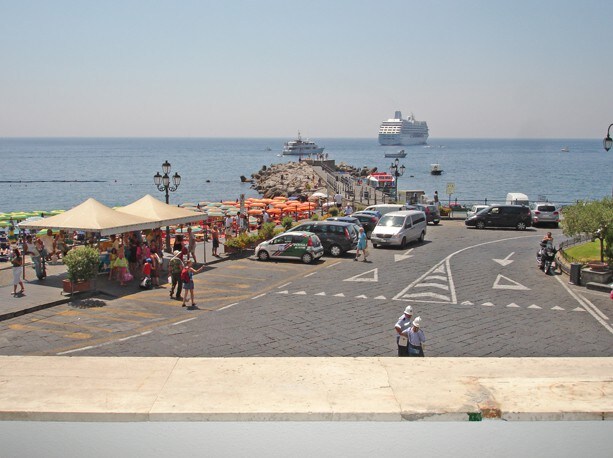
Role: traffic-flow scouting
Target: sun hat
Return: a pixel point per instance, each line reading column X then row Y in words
column 408, row 310
column 417, row 322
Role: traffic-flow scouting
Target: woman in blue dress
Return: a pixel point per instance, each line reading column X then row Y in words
column 361, row 245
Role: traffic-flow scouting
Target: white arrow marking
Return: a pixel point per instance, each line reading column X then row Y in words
column 339, row 295
column 375, row 276
column 504, row 262
column 381, row 298
column 320, row 294
column 557, row 307
column 488, row 304
column 512, row 284
column 361, row 296
column 513, row 305
column 578, row 309
column 302, row 293
column 403, row 256
column 534, row 306
column 283, row 292
column 467, row 303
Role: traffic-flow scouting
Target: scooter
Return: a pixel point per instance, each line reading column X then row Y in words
column 546, row 258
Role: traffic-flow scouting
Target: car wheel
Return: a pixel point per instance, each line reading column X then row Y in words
column 307, row 258
column 435, row 222
column 374, row 245
column 403, row 244
column 263, row 255
column 521, row 226
column 336, row 251
column 422, row 236
column 480, row 224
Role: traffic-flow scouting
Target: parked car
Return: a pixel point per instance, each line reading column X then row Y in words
column 475, row 209
column 433, row 215
column 368, row 220
column 386, row 208
column 399, row 228
column 544, row 213
column 517, row 216
column 305, row 246
column 337, row 237
column 347, row 219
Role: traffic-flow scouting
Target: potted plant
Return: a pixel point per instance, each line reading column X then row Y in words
column 81, row 266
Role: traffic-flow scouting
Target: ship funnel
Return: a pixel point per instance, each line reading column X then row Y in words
column 398, row 115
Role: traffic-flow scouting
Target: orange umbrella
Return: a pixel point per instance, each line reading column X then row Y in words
column 274, row 211
column 255, row 212
column 258, row 204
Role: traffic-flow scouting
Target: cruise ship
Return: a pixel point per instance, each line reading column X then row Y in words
column 300, row 147
column 398, row 131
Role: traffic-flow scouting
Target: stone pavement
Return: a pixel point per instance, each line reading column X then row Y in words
column 41, row 294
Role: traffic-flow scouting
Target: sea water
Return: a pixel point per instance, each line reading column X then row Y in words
column 59, row 173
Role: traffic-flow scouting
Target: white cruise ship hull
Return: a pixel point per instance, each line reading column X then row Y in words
column 401, row 140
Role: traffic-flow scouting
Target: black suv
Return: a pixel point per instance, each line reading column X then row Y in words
column 337, row 237
column 517, row 216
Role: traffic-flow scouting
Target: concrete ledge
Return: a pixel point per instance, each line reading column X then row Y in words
column 304, row 389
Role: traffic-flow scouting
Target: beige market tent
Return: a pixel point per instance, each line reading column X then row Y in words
column 92, row 216
column 165, row 215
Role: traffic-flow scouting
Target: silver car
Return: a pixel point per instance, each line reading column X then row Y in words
column 544, row 213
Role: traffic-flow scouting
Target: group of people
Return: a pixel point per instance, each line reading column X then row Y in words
column 181, row 276
column 410, row 337
column 134, row 256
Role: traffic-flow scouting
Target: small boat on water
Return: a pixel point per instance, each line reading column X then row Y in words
column 435, row 169
column 400, row 154
column 565, row 149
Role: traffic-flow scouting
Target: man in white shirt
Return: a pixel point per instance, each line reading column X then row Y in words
column 404, row 323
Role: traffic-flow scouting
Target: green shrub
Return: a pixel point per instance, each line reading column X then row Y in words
column 287, row 222
column 82, row 263
column 333, row 211
column 267, row 231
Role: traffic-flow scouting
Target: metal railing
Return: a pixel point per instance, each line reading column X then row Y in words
column 576, row 240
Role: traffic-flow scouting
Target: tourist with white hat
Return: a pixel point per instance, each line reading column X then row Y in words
column 416, row 338
column 403, row 323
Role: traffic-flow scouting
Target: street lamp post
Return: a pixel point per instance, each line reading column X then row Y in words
column 608, row 141
column 396, row 171
column 163, row 184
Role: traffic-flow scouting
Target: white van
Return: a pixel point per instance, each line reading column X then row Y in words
column 517, row 198
column 399, row 228
column 386, row 208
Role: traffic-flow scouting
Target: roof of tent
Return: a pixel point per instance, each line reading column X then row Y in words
column 92, row 216
column 164, row 214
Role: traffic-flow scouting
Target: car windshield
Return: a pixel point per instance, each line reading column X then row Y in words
column 392, row 221
column 546, row 208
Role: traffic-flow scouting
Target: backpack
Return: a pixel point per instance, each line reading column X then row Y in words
column 185, row 275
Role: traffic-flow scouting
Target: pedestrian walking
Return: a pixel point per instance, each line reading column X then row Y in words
column 215, row 237
column 403, row 323
column 17, row 263
column 416, row 338
column 176, row 266
column 362, row 244
column 187, row 277
column 191, row 244
column 436, row 198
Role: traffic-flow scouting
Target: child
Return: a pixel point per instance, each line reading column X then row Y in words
column 147, row 268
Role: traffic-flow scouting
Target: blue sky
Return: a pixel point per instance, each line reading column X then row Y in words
column 498, row 69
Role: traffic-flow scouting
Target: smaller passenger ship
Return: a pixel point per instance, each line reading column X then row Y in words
column 300, row 147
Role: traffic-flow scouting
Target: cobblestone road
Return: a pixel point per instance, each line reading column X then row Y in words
column 479, row 293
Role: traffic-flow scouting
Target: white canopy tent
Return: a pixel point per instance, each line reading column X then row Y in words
column 92, row 216
column 163, row 214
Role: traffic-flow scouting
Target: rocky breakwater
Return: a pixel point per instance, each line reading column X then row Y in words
column 288, row 179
